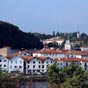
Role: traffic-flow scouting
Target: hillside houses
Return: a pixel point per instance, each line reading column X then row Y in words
column 56, row 53
column 58, row 40
column 37, row 62
column 23, row 62
column 4, row 63
column 63, row 62
column 35, row 65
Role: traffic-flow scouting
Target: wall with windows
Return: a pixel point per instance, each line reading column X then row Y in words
column 35, row 66
column 3, row 63
column 84, row 65
column 16, row 64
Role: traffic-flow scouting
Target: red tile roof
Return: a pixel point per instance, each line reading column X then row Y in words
column 28, row 58
column 15, row 54
column 50, row 51
column 72, row 60
column 53, row 51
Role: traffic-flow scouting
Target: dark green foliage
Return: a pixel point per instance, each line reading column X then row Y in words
column 42, row 36
column 71, row 76
column 10, row 35
column 53, row 44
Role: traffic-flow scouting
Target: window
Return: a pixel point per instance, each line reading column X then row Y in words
column 39, row 66
column 33, row 70
column 4, row 60
column 0, row 60
column 4, row 65
column 39, row 62
column 42, row 66
column 15, row 66
column 47, row 62
column 42, row 61
column 66, row 64
column 57, row 63
column 28, row 66
column 25, row 54
column 33, row 62
column 42, row 70
column 38, row 70
column 20, row 66
column 33, row 66
column 60, row 63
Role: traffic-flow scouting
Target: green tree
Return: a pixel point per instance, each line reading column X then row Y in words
column 53, row 72
column 72, row 76
column 57, row 34
column 53, row 34
column 12, row 36
column 72, row 83
column 53, row 44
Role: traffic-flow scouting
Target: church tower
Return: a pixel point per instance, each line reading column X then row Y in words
column 78, row 34
column 67, row 44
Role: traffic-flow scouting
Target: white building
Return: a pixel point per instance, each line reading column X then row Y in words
column 3, row 63
column 16, row 63
column 67, row 45
column 55, row 53
column 78, row 34
column 36, row 65
column 63, row 62
column 58, row 40
column 52, row 53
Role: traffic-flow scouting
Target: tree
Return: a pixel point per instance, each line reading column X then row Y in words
column 53, row 44
column 11, row 35
column 72, row 76
column 53, row 34
column 52, row 72
column 57, row 34
column 72, row 83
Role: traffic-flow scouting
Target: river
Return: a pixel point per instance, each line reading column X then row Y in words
column 35, row 85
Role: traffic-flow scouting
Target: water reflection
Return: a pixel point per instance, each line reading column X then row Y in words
column 36, row 85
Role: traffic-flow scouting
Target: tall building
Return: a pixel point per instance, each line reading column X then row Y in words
column 67, row 45
column 78, row 34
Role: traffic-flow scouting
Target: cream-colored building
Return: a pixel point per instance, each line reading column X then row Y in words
column 5, row 51
column 58, row 40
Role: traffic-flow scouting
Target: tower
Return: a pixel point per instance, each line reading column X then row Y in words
column 78, row 34
column 67, row 44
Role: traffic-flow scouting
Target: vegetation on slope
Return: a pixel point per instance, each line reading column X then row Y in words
column 10, row 35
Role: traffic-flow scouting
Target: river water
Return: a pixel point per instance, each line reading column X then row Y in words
column 35, row 85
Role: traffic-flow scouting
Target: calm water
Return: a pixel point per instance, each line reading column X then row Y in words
column 36, row 85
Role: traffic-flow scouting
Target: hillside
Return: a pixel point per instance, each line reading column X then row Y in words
column 12, row 36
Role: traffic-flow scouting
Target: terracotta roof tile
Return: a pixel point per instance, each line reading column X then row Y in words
column 72, row 60
column 15, row 54
column 53, row 51
column 28, row 58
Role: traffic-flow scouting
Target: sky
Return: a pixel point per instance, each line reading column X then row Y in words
column 46, row 16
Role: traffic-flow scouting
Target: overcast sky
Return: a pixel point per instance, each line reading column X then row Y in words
column 45, row 16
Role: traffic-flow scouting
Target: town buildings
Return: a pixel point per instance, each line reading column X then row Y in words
column 4, row 64
column 37, row 62
column 57, row 40
column 63, row 62
column 24, row 63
